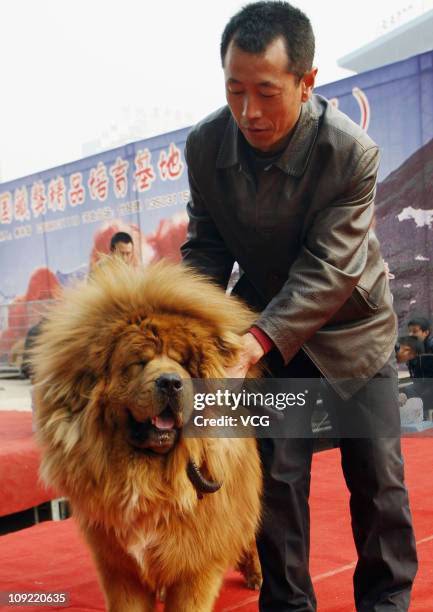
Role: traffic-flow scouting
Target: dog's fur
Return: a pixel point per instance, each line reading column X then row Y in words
column 101, row 351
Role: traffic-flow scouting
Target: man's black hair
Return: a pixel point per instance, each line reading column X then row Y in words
column 416, row 345
column 256, row 25
column 119, row 237
column 422, row 322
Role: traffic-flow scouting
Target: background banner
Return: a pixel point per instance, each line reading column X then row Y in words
column 395, row 105
column 54, row 224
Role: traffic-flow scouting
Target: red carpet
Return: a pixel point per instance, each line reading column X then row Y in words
column 19, row 462
column 51, row 556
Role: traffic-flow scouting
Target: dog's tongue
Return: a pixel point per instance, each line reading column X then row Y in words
column 163, row 422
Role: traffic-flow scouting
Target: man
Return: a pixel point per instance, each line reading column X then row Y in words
column 411, row 352
column 420, row 328
column 284, row 184
column 121, row 244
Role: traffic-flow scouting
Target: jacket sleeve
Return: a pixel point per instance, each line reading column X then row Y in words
column 330, row 263
column 204, row 248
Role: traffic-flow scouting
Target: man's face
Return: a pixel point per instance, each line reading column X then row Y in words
column 417, row 332
column 264, row 98
column 125, row 250
column 405, row 354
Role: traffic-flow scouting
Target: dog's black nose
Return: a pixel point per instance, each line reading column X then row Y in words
column 169, row 383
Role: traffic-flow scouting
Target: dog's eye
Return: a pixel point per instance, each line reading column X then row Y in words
column 192, row 368
column 136, row 365
column 184, row 361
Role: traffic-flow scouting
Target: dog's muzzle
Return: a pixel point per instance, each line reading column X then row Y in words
column 160, row 432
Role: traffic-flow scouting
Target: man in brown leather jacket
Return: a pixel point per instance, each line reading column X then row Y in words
column 283, row 183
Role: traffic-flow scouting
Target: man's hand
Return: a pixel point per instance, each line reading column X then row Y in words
column 250, row 354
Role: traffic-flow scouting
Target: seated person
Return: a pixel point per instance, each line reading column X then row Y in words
column 420, row 328
column 410, row 350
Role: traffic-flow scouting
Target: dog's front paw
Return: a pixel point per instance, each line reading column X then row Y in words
column 249, row 566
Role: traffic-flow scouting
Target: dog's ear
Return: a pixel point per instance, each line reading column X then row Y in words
column 226, row 353
column 71, row 394
column 83, row 387
column 64, row 372
column 229, row 346
column 218, row 353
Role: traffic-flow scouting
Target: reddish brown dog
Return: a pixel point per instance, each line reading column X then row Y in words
column 113, row 367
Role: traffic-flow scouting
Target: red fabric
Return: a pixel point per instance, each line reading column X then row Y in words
column 19, row 464
column 262, row 338
column 52, row 557
column 42, row 285
column 169, row 237
column 333, row 553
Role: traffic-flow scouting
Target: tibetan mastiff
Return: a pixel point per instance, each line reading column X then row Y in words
column 114, row 366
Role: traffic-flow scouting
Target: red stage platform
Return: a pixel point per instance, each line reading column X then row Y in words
column 51, row 556
column 19, row 464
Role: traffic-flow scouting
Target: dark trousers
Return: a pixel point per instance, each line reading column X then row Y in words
column 381, row 520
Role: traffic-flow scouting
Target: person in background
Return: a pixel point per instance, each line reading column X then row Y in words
column 409, row 350
column 420, row 327
column 121, row 244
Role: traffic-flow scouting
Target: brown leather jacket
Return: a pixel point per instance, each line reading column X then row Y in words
column 303, row 239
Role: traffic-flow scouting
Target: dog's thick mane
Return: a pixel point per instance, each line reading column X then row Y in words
column 70, row 364
column 91, row 315
column 116, row 294
column 163, row 287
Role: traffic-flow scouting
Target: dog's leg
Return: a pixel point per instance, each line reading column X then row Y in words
column 126, row 595
column 123, row 589
column 249, row 566
column 194, row 594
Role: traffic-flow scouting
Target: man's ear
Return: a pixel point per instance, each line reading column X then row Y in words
column 307, row 84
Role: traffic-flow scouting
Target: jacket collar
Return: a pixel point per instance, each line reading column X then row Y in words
column 294, row 158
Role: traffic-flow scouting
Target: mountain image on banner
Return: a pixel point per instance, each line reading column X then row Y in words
column 404, row 226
